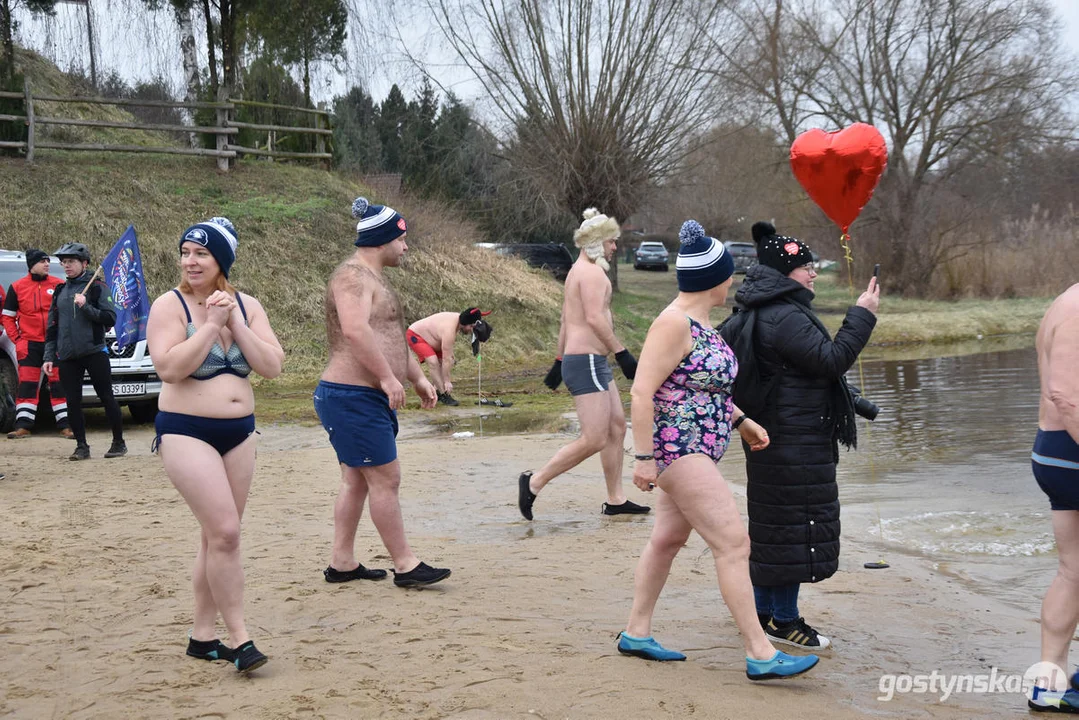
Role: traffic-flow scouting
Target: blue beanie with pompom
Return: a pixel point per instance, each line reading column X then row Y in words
column 378, row 224
column 703, row 262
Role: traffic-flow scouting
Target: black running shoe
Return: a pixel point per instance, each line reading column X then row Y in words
column 627, row 508
column 525, row 497
column 117, row 449
column 764, row 620
column 247, row 657
column 334, row 575
column 446, row 399
column 209, row 649
column 422, row 574
column 82, row 452
column 796, row 633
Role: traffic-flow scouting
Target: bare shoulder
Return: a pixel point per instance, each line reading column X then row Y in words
column 594, row 278
column 165, row 302
column 670, row 322
column 353, row 277
column 251, row 303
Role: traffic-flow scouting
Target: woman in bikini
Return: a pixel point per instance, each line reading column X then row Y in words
column 205, row 339
column 682, row 420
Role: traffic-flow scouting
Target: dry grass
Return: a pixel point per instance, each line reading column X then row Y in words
column 1036, row 256
column 294, row 228
column 46, row 79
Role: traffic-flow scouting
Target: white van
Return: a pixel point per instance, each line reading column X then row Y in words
column 134, row 380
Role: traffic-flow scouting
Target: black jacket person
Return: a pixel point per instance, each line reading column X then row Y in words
column 81, row 313
column 793, row 497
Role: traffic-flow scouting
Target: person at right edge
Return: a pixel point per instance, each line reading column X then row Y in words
column 800, row 395
column 80, row 314
column 1055, row 460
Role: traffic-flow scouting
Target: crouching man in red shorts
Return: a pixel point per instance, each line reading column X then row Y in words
column 432, row 340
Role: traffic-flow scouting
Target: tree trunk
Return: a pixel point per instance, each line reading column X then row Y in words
column 228, row 44
column 211, row 48
column 9, row 42
column 191, row 69
column 307, row 78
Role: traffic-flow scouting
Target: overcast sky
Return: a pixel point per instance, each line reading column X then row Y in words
column 140, row 45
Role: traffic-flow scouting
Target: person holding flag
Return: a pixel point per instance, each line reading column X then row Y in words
column 82, row 310
column 25, row 315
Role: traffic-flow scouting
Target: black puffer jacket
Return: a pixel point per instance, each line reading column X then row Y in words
column 792, row 492
column 72, row 331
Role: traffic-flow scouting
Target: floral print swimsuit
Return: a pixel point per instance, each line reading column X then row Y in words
column 693, row 405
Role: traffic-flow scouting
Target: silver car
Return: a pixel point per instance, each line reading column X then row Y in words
column 134, row 380
column 651, row 255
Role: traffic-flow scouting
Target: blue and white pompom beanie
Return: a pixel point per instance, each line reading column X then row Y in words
column 218, row 235
column 378, row 224
column 702, row 262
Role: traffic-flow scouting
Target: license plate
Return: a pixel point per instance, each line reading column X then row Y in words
column 130, row 388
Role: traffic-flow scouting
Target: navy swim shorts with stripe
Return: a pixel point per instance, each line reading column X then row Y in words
column 1056, row 468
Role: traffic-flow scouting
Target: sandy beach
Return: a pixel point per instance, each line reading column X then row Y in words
column 94, row 573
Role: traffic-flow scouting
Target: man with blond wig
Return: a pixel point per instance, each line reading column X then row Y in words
column 584, row 341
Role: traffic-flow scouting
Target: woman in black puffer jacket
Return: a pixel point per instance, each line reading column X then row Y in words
column 791, row 374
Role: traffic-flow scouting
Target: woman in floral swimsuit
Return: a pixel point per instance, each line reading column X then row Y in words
column 693, row 405
column 682, row 420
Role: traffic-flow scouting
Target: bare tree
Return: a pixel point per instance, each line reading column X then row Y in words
column 7, row 28
column 598, row 96
column 949, row 82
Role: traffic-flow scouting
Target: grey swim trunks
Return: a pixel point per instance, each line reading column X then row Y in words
column 585, row 374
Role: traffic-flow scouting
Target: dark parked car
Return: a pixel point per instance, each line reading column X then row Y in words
column 651, row 255
column 744, row 255
column 555, row 258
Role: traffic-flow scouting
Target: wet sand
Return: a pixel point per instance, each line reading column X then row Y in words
column 94, row 573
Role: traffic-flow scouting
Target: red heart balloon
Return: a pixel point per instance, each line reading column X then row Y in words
column 840, row 169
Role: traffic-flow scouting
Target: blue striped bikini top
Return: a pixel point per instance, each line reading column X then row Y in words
column 218, row 362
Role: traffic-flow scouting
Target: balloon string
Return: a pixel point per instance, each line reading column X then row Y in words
column 844, row 241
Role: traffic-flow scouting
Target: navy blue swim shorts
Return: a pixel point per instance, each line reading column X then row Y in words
column 362, row 427
column 1056, row 468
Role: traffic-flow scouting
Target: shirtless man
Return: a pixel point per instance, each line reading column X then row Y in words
column 1055, row 461
column 432, row 340
column 584, row 340
column 359, row 393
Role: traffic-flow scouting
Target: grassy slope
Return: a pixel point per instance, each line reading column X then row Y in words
column 294, row 228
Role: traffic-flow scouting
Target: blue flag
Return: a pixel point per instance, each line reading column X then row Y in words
column 123, row 274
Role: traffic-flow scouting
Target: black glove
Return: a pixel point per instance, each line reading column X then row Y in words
column 554, row 375
column 627, row 362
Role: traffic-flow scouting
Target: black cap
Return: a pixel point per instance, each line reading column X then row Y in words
column 34, row 256
column 778, row 251
column 472, row 315
column 481, row 332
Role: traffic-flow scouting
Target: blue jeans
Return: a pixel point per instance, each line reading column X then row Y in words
column 779, row 601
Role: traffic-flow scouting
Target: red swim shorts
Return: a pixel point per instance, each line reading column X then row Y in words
column 420, row 346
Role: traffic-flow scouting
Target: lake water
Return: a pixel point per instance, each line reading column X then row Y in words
column 944, row 471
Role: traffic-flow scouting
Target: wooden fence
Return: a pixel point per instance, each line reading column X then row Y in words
column 225, row 128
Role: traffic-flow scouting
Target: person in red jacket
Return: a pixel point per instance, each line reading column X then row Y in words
column 25, row 316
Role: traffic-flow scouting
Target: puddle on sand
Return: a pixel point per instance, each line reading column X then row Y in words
column 504, row 422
